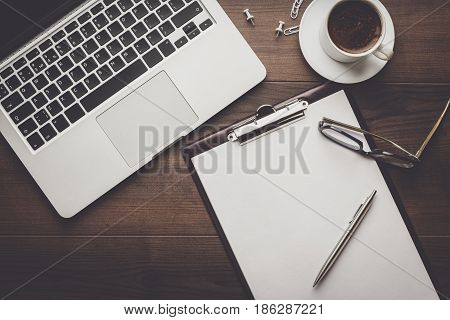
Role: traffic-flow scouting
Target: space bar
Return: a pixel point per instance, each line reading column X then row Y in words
column 113, row 85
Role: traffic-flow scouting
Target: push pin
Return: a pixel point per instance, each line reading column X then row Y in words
column 249, row 16
column 279, row 29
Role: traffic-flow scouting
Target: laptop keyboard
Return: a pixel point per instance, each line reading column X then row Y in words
column 67, row 75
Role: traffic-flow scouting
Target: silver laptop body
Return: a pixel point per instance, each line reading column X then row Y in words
column 100, row 93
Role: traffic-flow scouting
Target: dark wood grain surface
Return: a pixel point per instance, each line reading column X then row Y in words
column 151, row 237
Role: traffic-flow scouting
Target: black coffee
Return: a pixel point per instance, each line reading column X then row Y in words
column 354, row 26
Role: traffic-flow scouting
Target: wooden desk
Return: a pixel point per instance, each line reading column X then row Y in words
column 150, row 237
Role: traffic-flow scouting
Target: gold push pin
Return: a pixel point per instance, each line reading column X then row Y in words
column 249, row 16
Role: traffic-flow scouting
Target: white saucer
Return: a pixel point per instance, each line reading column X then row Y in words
column 331, row 69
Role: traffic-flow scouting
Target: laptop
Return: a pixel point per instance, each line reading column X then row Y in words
column 90, row 91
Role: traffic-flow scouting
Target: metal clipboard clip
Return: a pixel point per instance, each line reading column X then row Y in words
column 268, row 119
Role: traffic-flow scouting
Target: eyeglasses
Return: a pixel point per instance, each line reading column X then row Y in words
column 340, row 133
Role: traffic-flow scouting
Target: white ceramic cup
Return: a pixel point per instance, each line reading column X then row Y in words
column 378, row 50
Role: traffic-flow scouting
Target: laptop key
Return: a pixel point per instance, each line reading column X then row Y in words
column 100, row 21
column 187, row 14
column 67, row 99
column 206, row 24
column 89, row 65
column 54, row 108
column 90, row 46
column 27, row 90
column 12, row 101
column 115, row 28
column 166, row 47
column 140, row 11
column 164, row 12
column 129, row 55
column 92, row 81
column 45, row 45
column 127, row 38
column 3, row 91
column 40, row 81
column 139, row 30
column 112, row 12
column 194, row 33
column 32, row 54
column 127, row 20
column 71, row 26
column 114, row 47
column 113, row 85
column 25, row 74
column 64, row 83
column 152, row 4
column 78, row 55
column 50, row 56
column 166, row 28
column 154, row 37
column 35, row 141
column 58, row 36
column 37, row 65
column 125, row 4
column 151, row 21
column 152, row 58
column 48, row 132
column 142, row 46
column 84, row 17
column 52, row 73
column 88, row 30
column 28, row 127
column 75, row 38
column 22, row 112
column 176, row 4
column 97, row 8
column 104, row 72
column 74, row 113
column 13, row 83
column 39, row 100
column 65, row 64
column 51, row 91
column 60, row 123
column 19, row 63
column 102, row 56
column 6, row 73
column 117, row 63
column 189, row 27
column 79, row 90
column 102, row 37
column 77, row 74
column 41, row 117
column 63, row 47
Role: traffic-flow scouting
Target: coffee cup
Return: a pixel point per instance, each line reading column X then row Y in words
column 354, row 29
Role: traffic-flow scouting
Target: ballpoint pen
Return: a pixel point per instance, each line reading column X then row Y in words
column 353, row 225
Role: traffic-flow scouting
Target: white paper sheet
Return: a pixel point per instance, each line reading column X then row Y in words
column 282, row 225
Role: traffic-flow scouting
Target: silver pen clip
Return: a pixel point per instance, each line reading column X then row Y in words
column 268, row 119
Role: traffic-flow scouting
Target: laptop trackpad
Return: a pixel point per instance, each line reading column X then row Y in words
column 147, row 120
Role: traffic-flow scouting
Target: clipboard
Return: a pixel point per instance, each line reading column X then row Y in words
column 237, row 134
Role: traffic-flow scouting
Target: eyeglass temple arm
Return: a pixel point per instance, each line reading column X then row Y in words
column 350, row 127
column 433, row 130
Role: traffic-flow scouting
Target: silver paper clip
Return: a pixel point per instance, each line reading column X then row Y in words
column 295, row 8
column 291, row 30
column 268, row 119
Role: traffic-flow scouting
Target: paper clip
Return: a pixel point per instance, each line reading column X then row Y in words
column 295, row 7
column 291, row 30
